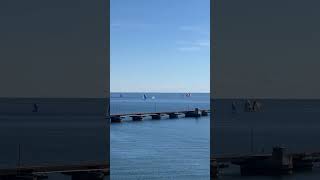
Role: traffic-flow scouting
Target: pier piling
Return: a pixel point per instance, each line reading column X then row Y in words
column 156, row 116
column 173, row 115
column 137, row 117
column 195, row 113
column 116, row 119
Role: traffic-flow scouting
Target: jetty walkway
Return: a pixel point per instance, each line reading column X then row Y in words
column 276, row 163
column 94, row 171
column 116, row 118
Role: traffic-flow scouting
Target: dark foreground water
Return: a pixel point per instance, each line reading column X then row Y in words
column 294, row 124
column 160, row 149
column 63, row 131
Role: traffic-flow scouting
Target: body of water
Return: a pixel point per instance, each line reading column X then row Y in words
column 59, row 132
column 160, row 149
column 293, row 124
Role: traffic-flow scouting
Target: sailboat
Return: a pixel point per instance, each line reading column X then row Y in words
column 234, row 107
column 144, row 97
column 248, row 106
column 35, row 108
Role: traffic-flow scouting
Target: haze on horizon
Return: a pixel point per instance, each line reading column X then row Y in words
column 160, row 46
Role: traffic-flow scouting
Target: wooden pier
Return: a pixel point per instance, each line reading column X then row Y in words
column 116, row 118
column 86, row 171
column 276, row 163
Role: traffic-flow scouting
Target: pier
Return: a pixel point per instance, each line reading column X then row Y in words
column 117, row 118
column 85, row 171
column 279, row 162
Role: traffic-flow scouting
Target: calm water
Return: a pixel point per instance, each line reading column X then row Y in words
column 63, row 131
column 160, row 149
column 294, row 124
column 73, row 131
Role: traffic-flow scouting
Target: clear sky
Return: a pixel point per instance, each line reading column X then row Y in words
column 160, row 46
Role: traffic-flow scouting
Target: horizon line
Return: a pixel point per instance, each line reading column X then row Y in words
column 153, row 92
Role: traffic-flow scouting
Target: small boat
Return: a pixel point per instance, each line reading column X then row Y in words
column 254, row 106
column 257, row 106
column 248, row 106
column 35, row 108
column 145, row 97
column 234, row 107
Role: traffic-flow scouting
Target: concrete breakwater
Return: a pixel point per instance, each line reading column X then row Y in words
column 116, row 118
column 278, row 162
column 94, row 171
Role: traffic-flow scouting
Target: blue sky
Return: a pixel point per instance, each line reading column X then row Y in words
column 160, row 46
